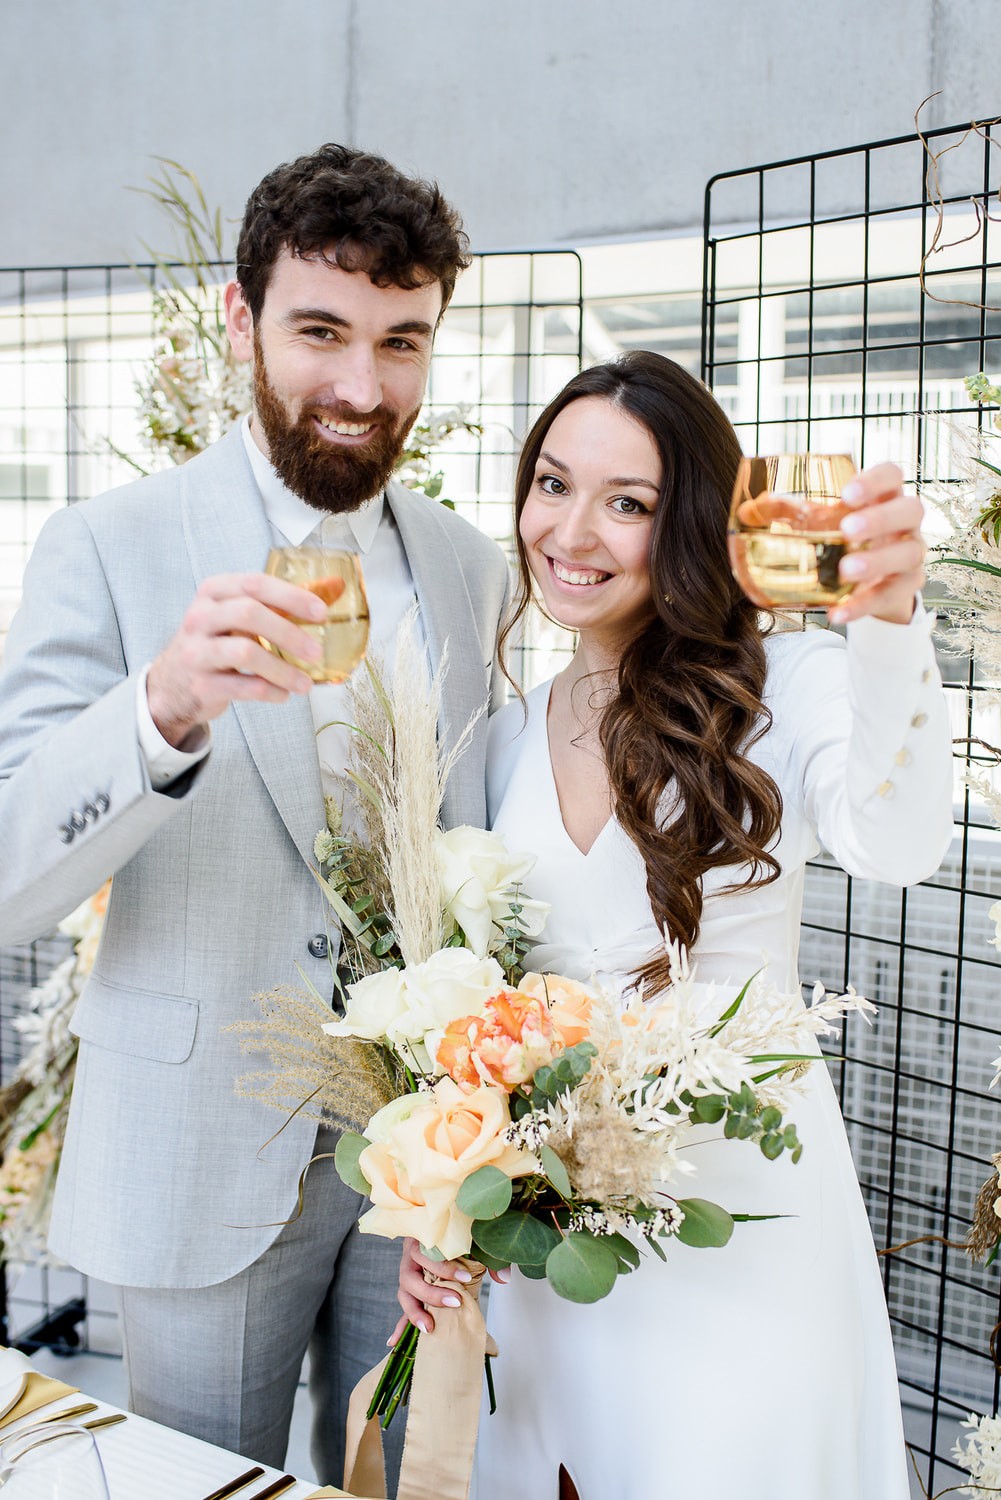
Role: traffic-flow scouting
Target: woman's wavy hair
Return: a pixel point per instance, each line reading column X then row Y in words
column 688, row 705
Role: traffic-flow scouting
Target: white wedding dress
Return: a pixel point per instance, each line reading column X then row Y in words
column 764, row 1369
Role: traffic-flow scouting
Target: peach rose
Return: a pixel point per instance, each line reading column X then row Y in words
column 416, row 1171
column 504, row 1045
column 569, row 1005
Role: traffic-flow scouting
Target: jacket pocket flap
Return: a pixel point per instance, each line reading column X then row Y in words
column 135, row 1022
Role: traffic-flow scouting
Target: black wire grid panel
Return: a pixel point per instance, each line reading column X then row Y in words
column 818, row 333
column 74, row 341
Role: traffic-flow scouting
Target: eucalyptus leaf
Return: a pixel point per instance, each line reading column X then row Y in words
column 705, row 1226
column 555, row 1171
column 582, row 1268
column 516, row 1238
column 349, row 1147
column 485, row 1194
column 624, row 1251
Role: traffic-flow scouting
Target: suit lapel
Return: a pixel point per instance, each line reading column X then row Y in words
column 227, row 532
column 449, row 620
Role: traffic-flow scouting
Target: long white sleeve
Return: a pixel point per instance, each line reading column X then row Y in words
column 863, row 731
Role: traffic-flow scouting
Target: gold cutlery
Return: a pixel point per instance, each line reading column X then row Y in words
column 68, row 1415
column 116, row 1416
column 235, row 1484
column 277, row 1488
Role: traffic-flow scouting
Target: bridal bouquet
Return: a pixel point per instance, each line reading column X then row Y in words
column 519, row 1118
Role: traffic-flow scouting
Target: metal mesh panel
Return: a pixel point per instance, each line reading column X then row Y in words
column 817, row 333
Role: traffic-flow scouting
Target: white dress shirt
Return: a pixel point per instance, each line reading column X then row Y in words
column 369, row 531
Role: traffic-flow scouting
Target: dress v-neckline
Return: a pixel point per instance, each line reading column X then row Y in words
column 555, row 791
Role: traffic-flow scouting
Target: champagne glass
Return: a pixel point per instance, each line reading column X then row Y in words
column 784, row 533
column 336, row 578
column 52, row 1461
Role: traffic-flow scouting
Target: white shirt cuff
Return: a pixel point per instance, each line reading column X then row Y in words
column 164, row 762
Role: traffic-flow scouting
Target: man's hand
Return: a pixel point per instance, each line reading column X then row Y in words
column 216, row 655
column 889, row 569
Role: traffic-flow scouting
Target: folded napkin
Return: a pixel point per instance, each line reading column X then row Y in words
column 23, row 1390
column 327, row 1490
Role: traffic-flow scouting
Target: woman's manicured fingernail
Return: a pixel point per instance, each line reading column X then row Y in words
column 853, row 525
column 853, row 567
column 853, row 492
column 837, row 616
column 504, row 1276
column 462, row 1275
column 391, row 1341
column 451, row 1300
column 423, row 1325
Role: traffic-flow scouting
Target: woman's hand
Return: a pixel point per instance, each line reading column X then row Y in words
column 417, row 1294
column 889, row 569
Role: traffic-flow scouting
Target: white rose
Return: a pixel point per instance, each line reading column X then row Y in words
column 375, row 1004
column 476, row 873
column 453, row 982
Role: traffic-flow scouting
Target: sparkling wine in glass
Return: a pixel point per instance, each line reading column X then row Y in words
column 52, row 1461
column 336, row 578
column 784, row 533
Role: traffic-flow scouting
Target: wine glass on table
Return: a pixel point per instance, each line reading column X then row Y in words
column 336, row 578
column 784, row 532
column 52, row 1461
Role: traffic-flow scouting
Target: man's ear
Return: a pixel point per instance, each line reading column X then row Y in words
column 239, row 322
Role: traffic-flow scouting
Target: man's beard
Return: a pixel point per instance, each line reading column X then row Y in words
column 328, row 476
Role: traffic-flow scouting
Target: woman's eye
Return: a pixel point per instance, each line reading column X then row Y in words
column 626, row 505
column 550, row 485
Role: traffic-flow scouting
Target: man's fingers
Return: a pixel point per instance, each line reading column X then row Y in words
column 276, row 593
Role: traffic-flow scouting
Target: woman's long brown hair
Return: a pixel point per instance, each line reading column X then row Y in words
column 688, row 705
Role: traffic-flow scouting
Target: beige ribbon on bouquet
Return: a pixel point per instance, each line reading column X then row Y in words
column 443, row 1412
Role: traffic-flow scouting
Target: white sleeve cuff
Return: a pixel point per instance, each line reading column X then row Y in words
column 164, row 762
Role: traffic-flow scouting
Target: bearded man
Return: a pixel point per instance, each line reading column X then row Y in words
column 147, row 732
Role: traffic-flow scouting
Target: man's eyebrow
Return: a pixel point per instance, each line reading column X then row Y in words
column 334, row 320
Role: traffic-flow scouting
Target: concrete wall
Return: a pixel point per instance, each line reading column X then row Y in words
column 548, row 121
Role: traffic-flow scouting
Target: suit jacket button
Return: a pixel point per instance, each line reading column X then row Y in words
column 91, row 813
column 318, row 945
column 66, row 834
column 103, row 802
column 78, row 822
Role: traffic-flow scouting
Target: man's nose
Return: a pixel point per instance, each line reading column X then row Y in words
column 356, row 380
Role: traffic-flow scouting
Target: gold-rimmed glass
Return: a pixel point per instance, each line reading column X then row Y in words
column 784, row 533
column 336, row 578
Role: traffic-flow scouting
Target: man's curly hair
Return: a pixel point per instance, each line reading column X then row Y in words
column 360, row 213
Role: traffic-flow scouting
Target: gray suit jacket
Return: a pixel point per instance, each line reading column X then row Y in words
column 213, row 898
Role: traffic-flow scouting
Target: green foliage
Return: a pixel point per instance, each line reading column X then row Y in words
column 556, row 1172
column 582, row 1267
column 746, row 1120
column 485, row 1193
column 566, row 1071
column 511, row 955
column 515, row 1238
column 706, row 1226
column 349, row 1148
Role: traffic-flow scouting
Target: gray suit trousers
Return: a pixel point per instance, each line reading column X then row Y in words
column 222, row 1362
